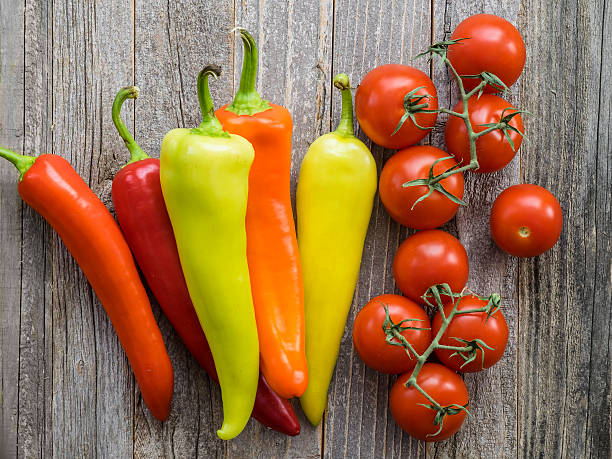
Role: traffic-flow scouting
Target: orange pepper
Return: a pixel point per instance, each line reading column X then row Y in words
column 272, row 251
column 53, row 189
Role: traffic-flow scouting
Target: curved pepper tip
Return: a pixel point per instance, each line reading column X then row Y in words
column 313, row 409
column 227, row 432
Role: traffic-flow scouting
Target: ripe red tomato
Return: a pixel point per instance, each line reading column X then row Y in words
column 445, row 386
column 493, row 150
column 494, row 45
column 370, row 340
column 526, row 220
column 411, row 164
column 493, row 331
column 379, row 105
column 427, row 258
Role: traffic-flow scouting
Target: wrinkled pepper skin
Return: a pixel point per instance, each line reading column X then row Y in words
column 204, row 176
column 335, row 195
column 54, row 189
column 272, row 250
column 142, row 215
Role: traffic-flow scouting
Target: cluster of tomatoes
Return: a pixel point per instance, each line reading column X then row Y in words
column 396, row 106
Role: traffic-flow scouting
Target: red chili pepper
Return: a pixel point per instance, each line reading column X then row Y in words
column 142, row 214
column 53, row 188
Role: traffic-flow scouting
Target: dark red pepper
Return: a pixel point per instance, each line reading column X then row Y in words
column 142, row 215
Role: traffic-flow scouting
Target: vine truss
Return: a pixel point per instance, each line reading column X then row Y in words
column 467, row 350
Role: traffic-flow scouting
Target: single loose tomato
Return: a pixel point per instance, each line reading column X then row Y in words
column 493, row 45
column 445, row 386
column 526, row 220
column 493, row 331
column 493, row 150
column 411, row 164
column 428, row 258
column 379, row 105
column 370, row 339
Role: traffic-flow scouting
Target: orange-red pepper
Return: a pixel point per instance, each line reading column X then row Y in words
column 53, row 189
column 272, row 251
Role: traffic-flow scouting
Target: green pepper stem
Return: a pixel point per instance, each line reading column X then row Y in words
column 345, row 127
column 129, row 92
column 21, row 162
column 210, row 125
column 247, row 100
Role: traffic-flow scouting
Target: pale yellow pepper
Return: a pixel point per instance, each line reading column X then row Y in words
column 335, row 195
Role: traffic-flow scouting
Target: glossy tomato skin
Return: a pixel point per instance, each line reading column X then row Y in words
column 493, row 331
column 493, row 150
column 427, row 258
column 379, row 105
column 445, row 386
column 494, row 45
column 526, row 220
column 370, row 340
column 414, row 163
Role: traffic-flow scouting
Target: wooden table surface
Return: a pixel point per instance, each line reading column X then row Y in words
column 66, row 387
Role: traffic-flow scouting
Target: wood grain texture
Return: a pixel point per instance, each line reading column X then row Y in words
column 35, row 362
column 66, row 386
column 11, row 136
column 358, row 422
column 90, row 374
column 564, row 369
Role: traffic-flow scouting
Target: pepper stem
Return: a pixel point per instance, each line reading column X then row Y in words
column 21, row 162
column 210, row 125
column 128, row 92
column 247, row 100
column 345, row 127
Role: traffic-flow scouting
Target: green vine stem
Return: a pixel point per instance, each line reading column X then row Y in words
column 395, row 338
column 412, row 107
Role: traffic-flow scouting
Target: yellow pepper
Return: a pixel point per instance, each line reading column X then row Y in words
column 335, row 194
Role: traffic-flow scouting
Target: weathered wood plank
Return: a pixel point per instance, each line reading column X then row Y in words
column 91, row 381
column 11, row 136
column 564, row 369
column 598, row 431
column 109, row 67
column 359, row 423
column 35, row 362
column 174, row 40
column 492, row 430
column 294, row 40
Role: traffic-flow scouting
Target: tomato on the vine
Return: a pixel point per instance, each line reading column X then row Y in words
column 493, row 45
column 370, row 339
column 493, row 150
column 379, row 105
column 428, row 258
column 445, row 386
column 411, row 164
column 526, row 220
column 492, row 330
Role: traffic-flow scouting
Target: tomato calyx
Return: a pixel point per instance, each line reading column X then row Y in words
column 413, row 104
column 433, row 183
column 442, row 412
column 393, row 331
column 504, row 125
column 440, row 48
column 470, row 351
column 487, row 78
